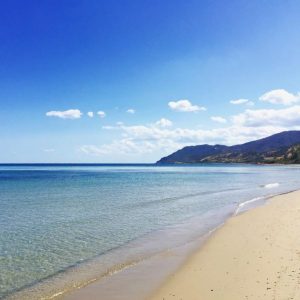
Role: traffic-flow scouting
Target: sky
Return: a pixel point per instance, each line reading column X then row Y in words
column 132, row 81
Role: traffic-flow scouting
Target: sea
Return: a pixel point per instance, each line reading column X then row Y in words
column 63, row 226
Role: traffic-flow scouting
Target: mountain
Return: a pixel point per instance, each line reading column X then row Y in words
column 282, row 147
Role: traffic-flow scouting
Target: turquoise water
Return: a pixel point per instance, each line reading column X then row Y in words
column 55, row 218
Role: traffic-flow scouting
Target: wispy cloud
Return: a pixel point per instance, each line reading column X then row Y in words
column 101, row 114
column 66, row 114
column 185, row 106
column 162, row 136
column 90, row 114
column 159, row 137
column 131, row 111
column 242, row 101
column 280, row 96
column 142, row 139
column 124, row 146
column 164, row 123
column 265, row 117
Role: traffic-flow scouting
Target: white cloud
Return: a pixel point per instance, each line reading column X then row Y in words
column 242, row 101
column 218, row 119
column 155, row 139
column 266, row 117
column 164, row 123
column 142, row 139
column 90, row 114
column 67, row 114
column 101, row 114
column 280, row 96
column 124, row 146
column 185, row 106
column 131, row 111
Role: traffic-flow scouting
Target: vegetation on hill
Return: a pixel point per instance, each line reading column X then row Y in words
column 283, row 148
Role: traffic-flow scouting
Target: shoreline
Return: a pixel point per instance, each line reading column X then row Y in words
column 129, row 284
column 149, row 270
column 182, row 254
column 254, row 255
column 85, row 277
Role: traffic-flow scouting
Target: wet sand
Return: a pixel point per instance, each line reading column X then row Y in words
column 255, row 255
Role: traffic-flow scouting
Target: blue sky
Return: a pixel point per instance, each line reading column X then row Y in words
column 177, row 66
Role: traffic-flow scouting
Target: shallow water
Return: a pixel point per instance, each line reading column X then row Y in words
column 62, row 226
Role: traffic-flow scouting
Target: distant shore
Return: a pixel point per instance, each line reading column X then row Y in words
column 255, row 255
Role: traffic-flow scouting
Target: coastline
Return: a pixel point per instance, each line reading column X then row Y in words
column 149, row 277
column 172, row 263
column 255, row 255
column 234, row 261
column 130, row 284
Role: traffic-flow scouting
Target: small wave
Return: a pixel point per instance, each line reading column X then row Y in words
column 271, row 185
column 241, row 205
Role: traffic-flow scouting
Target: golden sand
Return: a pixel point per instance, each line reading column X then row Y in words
column 255, row 255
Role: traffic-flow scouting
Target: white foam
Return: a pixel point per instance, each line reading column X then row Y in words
column 271, row 185
column 241, row 205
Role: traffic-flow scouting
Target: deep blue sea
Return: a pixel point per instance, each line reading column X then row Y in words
column 57, row 219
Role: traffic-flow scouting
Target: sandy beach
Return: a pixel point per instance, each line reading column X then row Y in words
column 255, row 255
